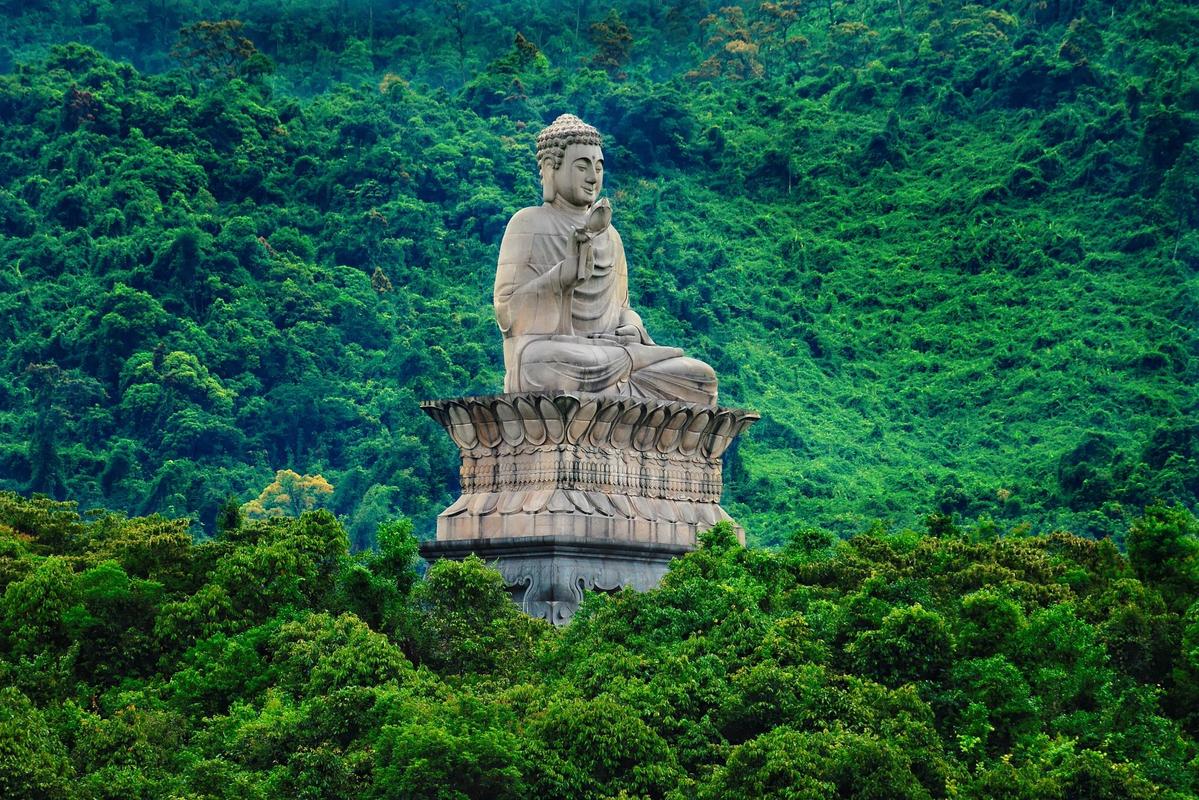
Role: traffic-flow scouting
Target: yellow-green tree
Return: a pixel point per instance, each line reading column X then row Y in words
column 735, row 41
column 613, row 40
column 289, row 495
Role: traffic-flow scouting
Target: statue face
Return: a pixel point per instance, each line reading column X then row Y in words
column 580, row 178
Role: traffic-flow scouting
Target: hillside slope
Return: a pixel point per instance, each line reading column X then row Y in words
column 948, row 250
column 272, row 663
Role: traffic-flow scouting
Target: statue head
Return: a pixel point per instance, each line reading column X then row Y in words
column 570, row 160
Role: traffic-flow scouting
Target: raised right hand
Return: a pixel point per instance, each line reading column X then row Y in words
column 583, row 254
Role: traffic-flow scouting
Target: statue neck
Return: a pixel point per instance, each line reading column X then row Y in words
column 570, row 209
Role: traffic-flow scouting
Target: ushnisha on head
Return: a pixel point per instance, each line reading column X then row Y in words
column 571, row 161
column 565, row 130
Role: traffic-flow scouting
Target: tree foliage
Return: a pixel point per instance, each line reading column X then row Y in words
column 289, row 495
column 273, row 662
column 946, row 249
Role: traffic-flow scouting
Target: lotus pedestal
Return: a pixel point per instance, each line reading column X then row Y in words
column 570, row 491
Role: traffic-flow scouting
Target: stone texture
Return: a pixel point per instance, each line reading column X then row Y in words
column 547, row 575
column 562, row 289
column 603, row 460
column 599, row 467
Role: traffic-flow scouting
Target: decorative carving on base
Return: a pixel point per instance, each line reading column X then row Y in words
column 547, row 575
column 603, row 467
column 566, row 491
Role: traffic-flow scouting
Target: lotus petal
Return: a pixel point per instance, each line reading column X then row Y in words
column 600, row 432
column 580, row 420
column 551, row 416
column 510, row 502
column 580, row 501
column 627, row 425
column 694, row 432
column 459, row 506
column 620, row 504
column 536, row 500
column 672, row 430
column 599, row 501
column 486, row 426
column 483, row 503
column 647, row 429
column 642, row 507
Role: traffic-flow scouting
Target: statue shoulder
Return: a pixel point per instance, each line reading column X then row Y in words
column 534, row 219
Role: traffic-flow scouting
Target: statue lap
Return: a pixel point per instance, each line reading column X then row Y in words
column 561, row 363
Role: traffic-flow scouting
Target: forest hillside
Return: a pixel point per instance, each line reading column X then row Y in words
column 271, row 662
column 948, row 250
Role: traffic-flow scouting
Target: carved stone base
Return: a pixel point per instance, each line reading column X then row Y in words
column 600, row 467
column 568, row 491
column 547, row 575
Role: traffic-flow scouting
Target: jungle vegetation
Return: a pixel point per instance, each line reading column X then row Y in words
column 947, row 249
column 270, row 661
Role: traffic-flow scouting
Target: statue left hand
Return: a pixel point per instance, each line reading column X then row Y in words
column 628, row 333
column 599, row 217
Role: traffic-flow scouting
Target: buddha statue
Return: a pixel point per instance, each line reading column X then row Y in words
column 562, row 289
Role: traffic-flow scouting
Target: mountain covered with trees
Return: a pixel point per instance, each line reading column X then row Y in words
column 271, row 662
column 947, row 249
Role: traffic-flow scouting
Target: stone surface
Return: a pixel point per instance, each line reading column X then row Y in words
column 603, row 459
column 599, row 467
column 547, row 575
column 562, row 289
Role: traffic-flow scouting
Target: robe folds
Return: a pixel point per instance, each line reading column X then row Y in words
column 560, row 334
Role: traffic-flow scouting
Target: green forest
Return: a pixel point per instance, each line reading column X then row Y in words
column 948, row 250
column 271, row 662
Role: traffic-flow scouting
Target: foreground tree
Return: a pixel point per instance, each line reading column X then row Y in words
column 289, row 495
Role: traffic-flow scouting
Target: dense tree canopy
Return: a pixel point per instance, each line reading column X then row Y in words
column 947, row 249
column 950, row 250
column 271, row 662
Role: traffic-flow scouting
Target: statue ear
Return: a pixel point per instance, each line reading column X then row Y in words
column 547, row 180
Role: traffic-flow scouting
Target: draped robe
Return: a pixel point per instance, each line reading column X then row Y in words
column 560, row 334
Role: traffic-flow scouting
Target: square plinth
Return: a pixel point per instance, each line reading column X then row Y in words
column 547, row 575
